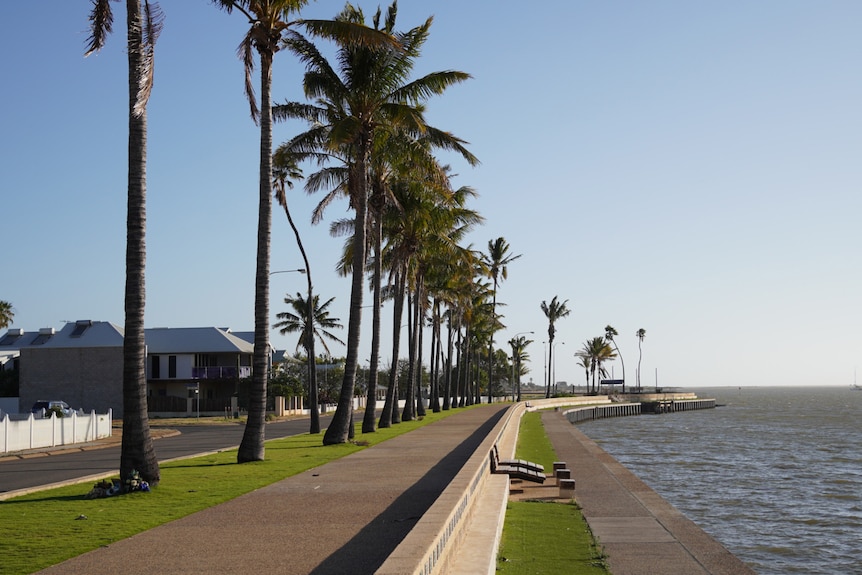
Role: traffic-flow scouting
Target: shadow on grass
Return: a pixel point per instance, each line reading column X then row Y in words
column 57, row 498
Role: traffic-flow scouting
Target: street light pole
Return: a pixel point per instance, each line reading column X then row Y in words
column 300, row 270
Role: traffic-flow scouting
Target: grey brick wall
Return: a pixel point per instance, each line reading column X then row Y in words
column 88, row 378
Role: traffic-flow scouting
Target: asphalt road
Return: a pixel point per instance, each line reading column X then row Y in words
column 30, row 472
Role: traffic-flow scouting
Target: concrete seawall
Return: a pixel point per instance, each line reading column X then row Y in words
column 637, row 528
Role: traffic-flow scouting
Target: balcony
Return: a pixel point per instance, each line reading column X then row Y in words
column 221, row 372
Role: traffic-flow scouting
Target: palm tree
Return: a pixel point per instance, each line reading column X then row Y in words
column 553, row 311
column 519, row 355
column 598, row 351
column 269, row 20
column 641, row 333
column 610, row 332
column 285, row 170
column 313, row 322
column 366, row 95
column 7, row 314
column 143, row 24
column 497, row 259
column 584, row 361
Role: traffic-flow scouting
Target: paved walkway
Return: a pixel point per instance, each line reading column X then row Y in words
column 640, row 532
column 344, row 517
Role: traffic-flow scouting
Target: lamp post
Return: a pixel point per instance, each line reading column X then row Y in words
column 300, row 270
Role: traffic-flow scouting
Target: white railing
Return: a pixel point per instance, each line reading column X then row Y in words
column 34, row 433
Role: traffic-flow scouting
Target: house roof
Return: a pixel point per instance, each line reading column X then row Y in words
column 82, row 333
column 194, row 340
column 87, row 333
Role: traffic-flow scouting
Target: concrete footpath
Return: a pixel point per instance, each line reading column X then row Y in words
column 640, row 532
column 344, row 517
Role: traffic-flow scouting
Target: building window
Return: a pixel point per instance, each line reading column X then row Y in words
column 155, row 367
column 172, row 366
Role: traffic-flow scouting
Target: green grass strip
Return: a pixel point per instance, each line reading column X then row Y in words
column 542, row 537
column 42, row 528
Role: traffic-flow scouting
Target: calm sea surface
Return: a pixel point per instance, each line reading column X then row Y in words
column 775, row 474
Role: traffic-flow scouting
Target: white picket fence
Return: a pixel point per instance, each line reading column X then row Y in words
column 34, row 433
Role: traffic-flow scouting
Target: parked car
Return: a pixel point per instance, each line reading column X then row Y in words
column 44, row 408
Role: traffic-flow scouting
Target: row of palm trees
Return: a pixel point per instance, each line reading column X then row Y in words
column 368, row 136
column 368, row 139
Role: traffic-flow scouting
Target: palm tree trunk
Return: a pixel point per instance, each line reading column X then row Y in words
column 491, row 342
column 420, row 403
column 313, row 411
column 391, row 396
column 252, row 446
column 436, row 358
column 368, row 420
column 410, row 399
column 339, row 427
column 137, row 452
column 550, row 363
column 450, row 344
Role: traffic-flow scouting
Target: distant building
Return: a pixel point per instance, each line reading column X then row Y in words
column 82, row 364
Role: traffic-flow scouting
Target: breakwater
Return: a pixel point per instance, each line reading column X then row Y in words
column 775, row 474
column 647, row 405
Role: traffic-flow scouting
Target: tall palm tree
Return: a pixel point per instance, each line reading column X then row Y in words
column 7, row 314
column 553, row 311
column 366, row 94
column 641, row 333
column 497, row 259
column 610, row 332
column 285, row 170
column 269, row 20
column 143, row 24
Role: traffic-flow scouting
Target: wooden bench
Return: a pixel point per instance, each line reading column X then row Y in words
column 517, row 468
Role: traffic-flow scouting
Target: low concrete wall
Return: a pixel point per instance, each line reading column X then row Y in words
column 432, row 545
column 537, row 404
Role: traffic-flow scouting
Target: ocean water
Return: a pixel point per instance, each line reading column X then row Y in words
column 773, row 473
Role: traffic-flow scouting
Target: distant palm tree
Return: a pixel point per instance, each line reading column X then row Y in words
column 497, row 260
column 610, row 332
column 6, row 314
column 598, row 351
column 519, row 356
column 553, row 311
column 584, row 361
column 143, row 24
column 313, row 322
column 641, row 333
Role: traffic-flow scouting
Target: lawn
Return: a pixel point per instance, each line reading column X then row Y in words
column 541, row 537
column 47, row 527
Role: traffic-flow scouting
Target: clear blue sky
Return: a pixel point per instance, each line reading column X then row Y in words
column 688, row 168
